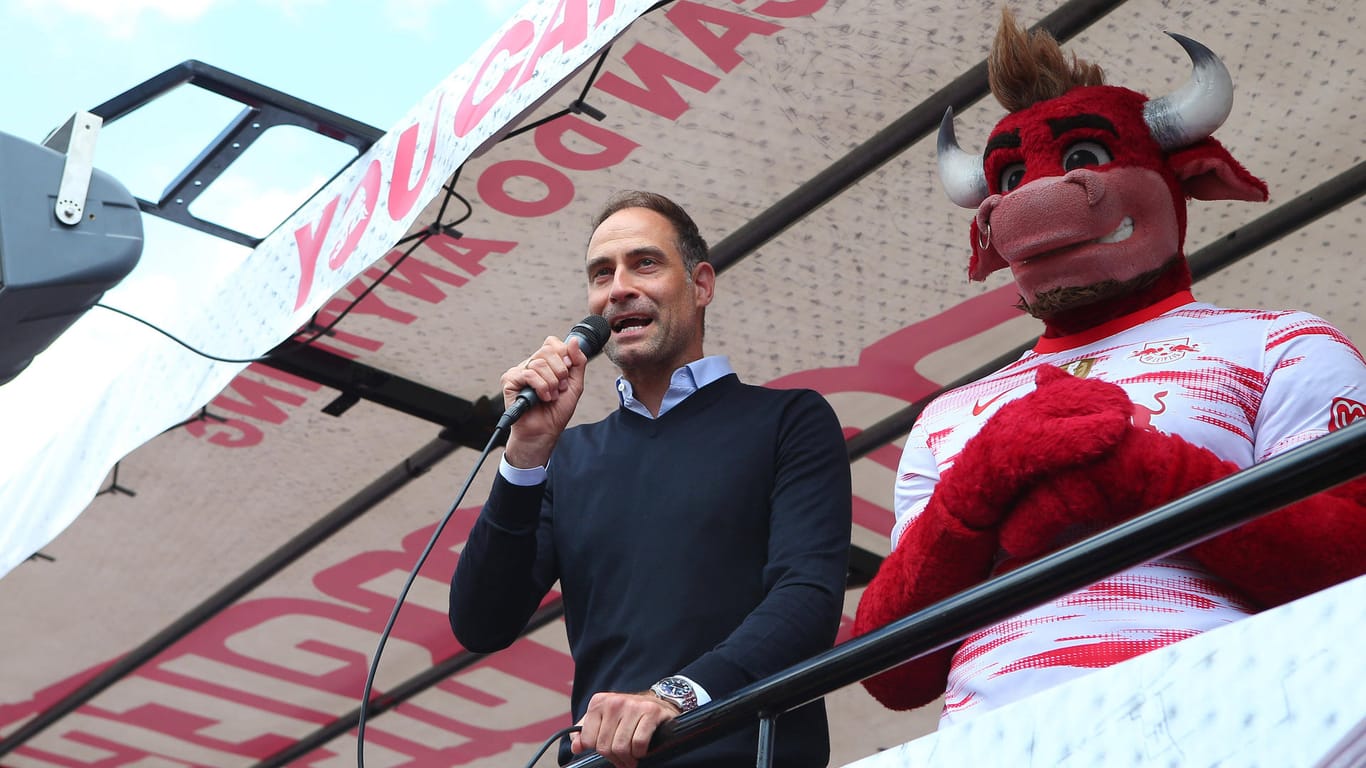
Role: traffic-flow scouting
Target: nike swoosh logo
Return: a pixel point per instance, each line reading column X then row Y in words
column 980, row 406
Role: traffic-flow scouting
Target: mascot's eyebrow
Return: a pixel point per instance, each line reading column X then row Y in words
column 1061, row 125
column 1004, row 140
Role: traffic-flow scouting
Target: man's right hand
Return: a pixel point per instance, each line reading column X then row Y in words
column 619, row 726
column 556, row 373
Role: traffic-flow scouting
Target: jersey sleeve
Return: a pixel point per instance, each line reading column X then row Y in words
column 1315, row 384
column 916, row 476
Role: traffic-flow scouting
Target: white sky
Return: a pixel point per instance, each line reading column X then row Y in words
column 371, row 60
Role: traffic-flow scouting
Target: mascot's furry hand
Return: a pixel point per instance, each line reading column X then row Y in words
column 1064, row 423
column 1302, row 548
column 1144, row 470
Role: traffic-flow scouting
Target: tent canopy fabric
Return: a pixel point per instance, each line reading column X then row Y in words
column 731, row 108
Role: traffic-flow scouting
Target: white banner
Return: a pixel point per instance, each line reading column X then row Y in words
column 108, row 385
column 1279, row 688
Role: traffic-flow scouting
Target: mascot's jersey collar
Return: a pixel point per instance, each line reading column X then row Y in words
column 1061, row 343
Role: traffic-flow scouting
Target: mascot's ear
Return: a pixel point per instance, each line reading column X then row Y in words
column 985, row 259
column 1206, row 171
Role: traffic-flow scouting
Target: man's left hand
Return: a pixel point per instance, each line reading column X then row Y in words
column 619, row 726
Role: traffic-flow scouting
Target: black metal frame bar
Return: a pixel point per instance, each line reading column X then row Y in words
column 1207, row 512
column 1064, row 23
column 381, row 488
column 264, row 108
column 384, row 702
column 470, row 424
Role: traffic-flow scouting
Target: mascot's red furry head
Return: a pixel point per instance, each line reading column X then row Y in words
column 1081, row 190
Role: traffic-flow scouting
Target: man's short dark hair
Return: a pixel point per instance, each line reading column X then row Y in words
column 689, row 240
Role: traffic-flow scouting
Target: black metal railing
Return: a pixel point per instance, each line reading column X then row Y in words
column 1207, row 512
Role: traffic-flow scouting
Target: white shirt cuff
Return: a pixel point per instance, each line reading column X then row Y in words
column 517, row 476
column 702, row 696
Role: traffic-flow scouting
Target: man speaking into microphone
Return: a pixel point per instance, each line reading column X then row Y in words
column 699, row 533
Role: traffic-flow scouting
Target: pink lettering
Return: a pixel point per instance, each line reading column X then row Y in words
column 338, row 351
column 45, row 698
column 469, row 113
column 310, row 244
column 372, row 304
column 284, row 638
column 536, row 663
column 612, row 147
column 403, row 197
column 492, row 186
column 467, row 252
column 229, row 433
column 570, row 32
column 204, row 719
column 259, row 400
column 414, row 277
column 84, row 735
column 656, row 70
column 790, row 9
column 887, row 366
column 338, row 335
column 694, row 21
column 605, row 10
column 873, row 516
column 355, row 218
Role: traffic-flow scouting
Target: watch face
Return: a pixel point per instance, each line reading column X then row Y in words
column 676, row 690
column 672, row 686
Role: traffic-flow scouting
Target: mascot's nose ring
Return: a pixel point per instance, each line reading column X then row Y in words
column 984, row 236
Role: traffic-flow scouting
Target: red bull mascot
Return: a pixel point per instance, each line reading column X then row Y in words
column 1135, row 394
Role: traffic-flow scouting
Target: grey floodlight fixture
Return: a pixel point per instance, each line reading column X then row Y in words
column 68, row 233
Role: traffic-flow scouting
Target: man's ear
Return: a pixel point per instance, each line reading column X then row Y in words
column 704, row 282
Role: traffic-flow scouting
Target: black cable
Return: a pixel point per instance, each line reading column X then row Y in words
column 420, row 238
column 577, row 105
column 393, row 616
column 170, row 336
column 560, row 734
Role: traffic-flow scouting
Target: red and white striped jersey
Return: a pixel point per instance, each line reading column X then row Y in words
column 1246, row 384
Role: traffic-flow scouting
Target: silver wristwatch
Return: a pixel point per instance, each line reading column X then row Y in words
column 677, row 691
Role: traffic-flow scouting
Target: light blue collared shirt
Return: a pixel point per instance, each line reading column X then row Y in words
column 684, row 382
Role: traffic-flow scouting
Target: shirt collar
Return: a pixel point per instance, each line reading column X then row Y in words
column 682, row 384
column 1045, row 346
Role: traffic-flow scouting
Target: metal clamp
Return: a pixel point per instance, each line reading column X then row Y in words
column 76, row 139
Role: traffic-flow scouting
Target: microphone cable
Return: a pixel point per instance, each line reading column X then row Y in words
column 560, row 734
column 592, row 333
column 416, row 239
column 398, row 603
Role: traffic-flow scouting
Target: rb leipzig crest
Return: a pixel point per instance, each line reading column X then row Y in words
column 1165, row 351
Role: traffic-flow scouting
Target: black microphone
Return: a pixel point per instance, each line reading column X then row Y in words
column 592, row 333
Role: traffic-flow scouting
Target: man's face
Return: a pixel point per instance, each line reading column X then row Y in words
column 637, row 281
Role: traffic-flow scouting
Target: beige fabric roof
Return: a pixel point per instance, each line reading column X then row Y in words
column 866, row 300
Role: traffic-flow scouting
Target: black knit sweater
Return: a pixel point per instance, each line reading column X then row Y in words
column 711, row 542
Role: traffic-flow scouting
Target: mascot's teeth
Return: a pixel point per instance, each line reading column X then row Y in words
column 1121, row 232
